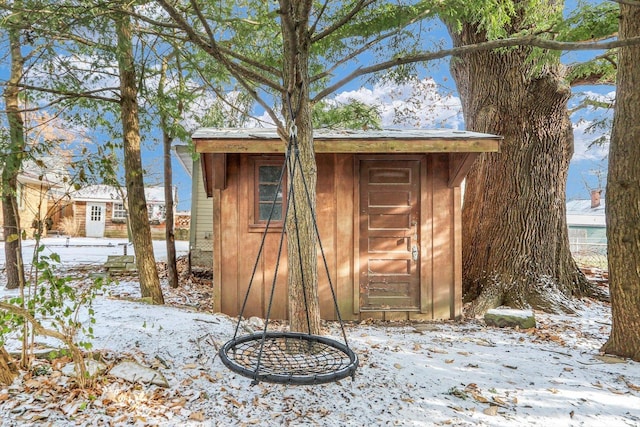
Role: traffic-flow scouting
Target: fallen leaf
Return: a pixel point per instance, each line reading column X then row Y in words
column 397, row 366
column 629, row 384
column 499, row 401
column 480, row 398
column 233, row 401
column 491, row 410
column 553, row 390
column 196, row 416
column 449, row 361
column 4, row 396
column 615, row 391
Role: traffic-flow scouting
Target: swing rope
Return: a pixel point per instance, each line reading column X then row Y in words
column 290, row 357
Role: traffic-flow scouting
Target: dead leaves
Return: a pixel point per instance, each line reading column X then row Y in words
column 472, row 391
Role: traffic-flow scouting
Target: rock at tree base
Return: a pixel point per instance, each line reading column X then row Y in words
column 134, row 372
column 510, row 318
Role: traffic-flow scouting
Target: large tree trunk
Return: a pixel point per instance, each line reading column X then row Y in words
column 136, row 201
column 515, row 238
column 304, row 308
column 623, row 196
column 12, row 161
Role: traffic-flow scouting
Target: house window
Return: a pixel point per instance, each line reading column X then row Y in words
column 268, row 194
column 119, row 212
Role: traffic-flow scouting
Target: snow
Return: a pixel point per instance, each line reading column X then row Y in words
column 523, row 314
column 410, row 374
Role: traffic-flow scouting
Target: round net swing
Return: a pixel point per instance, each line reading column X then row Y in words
column 289, row 357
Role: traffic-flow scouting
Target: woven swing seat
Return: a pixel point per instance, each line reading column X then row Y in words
column 289, row 358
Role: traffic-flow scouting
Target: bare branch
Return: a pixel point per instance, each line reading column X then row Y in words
column 358, row 7
column 91, row 94
column 237, row 70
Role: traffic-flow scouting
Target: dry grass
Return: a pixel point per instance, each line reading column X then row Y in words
column 69, row 227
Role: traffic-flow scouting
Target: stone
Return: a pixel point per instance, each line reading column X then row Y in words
column 94, row 367
column 131, row 371
column 510, row 318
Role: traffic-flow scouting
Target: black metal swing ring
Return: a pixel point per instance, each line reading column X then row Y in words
column 289, row 358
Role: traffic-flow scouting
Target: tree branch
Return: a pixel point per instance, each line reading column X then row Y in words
column 67, row 94
column 341, row 22
column 532, row 41
column 236, row 70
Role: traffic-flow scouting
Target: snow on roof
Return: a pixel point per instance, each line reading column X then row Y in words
column 109, row 193
column 580, row 213
column 271, row 133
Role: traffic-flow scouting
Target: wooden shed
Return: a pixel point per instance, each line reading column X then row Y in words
column 388, row 210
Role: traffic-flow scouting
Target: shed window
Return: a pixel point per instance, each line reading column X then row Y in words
column 266, row 177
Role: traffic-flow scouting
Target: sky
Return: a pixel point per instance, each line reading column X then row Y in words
column 437, row 106
column 411, row 374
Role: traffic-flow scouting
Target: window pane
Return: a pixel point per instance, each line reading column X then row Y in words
column 265, row 210
column 268, row 191
column 269, row 173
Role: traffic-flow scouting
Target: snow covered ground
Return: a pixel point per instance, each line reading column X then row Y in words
column 410, row 374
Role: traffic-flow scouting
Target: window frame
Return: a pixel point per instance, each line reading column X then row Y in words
column 255, row 223
column 114, row 217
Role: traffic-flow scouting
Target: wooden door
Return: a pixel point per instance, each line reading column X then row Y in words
column 389, row 242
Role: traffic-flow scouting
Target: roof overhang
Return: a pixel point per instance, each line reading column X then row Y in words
column 462, row 146
column 265, row 141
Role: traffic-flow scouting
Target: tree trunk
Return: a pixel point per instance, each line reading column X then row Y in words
column 515, row 238
column 167, row 139
column 623, row 197
column 136, row 201
column 304, row 308
column 172, row 270
column 12, row 162
column 8, row 368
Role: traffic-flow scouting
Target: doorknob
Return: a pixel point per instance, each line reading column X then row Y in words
column 414, row 252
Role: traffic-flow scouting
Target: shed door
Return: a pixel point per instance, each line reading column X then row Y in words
column 389, row 235
column 95, row 220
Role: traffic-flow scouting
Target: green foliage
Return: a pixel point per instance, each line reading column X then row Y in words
column 591, row 22
column 353, row 115
column 54, row 301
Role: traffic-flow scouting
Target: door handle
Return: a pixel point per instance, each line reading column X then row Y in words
column 414, row 252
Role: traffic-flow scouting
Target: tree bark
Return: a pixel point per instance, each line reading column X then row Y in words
column 172, row 270
column 8, row 368
column 12, row 162
column 167, row 140
column 136, row 201
column 515, row 238
column 304, row 308
column 623, row 197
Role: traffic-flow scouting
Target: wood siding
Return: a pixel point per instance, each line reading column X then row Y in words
column 201, row 231
column 236, row 241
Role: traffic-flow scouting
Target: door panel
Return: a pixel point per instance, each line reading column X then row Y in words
column 389, row 235
column 95, row 220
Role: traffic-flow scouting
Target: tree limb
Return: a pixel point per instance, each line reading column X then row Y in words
column 532, row 41
column 341, row 22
